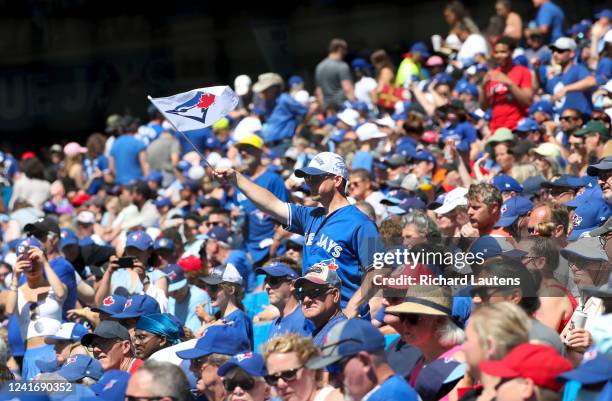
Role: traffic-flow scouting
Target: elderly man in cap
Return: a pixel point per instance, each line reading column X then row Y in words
column 47, row 231
column 335, row 231
column 356, row 349
column 211, row 351
column 452, row 214
column 604, row 233
column 319, row 293
column 110, row 344
column 603, row 171
column 184, row 298
column 279, row 284
column 81, row 369
column 154, row 332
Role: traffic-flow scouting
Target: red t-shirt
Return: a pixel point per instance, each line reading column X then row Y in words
column 136, row 363
column 505, row 109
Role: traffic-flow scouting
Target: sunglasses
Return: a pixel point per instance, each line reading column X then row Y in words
column 286, row 375
column 275, row 281
column 313, row 293
column 213, row 223
column 246, row 383
column 569, row 118
column 411, row 318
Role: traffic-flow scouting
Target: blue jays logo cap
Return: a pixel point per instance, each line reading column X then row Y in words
column 176, row 277
column 596, row 367
column 161, row 202
column 112, row 385
column 68, row 331
column 78, row 367
column 220, row 234
column 543, row 106
column 408, row 205
column 322, row 273
column 252, row 363
column 154, row 175
column 164, row 243
column 138, row 305
column 139, row 239
column 225, row 340
column 423, row 155
column 588, row 216
column 324, row 163
column 565, row 181
column 68, row 237
column 277, row 269
column 112, row 304
column 28, row 243
column 512, row 209
column 348, row 338
column 527, row 125
column 506, row 183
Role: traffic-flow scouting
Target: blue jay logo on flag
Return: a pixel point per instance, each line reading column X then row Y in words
column 196, row 107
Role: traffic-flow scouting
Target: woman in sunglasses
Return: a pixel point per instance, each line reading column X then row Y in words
column 285, row 359
column 37, row 303
column 243, row 378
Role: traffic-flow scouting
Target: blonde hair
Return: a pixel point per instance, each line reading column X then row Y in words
column 292, row 342
column 503, row 324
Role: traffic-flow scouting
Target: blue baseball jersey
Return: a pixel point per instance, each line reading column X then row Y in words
column 395, row 388
column 576, row 100
column 258, row 228
column 347, row 236
column 318, row 335
column 295, row 322
column 65, row 272
column 241, row 322
column 185, row 310
column 551, row 15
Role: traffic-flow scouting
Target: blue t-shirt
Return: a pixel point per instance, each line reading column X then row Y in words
column 363, row 160
column 258, row 228
column 576, row 100
column 240, row 321
column 90, row 166
column 125, row 152
column 197, row 137
column 241, row 262
column 552, row 16
column 463, row 133
column 65, row 272
column 603, row 73
column 150, row 132
column 347, row 236
column 185, row 311
column 318, row 335
column 283, row 121
column 295, row 322
column 395, row 388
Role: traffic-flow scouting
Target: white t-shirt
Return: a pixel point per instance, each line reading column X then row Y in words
column 374, row 199
column 363, row 89
column 473, row 45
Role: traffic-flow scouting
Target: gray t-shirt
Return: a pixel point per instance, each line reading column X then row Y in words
column 329, row 75
column 159, row 155
column 540, row 333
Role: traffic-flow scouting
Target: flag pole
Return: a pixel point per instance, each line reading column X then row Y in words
column 182, row 134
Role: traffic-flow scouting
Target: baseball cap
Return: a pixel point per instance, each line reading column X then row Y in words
column 78, row 367
column 527, row 125
column 586, row 248
column 324, row 163
column 163, row 243
column 107, row 329
column 27, row 243
column 467, row 88
column 434, row 61
column 80, row 199
column 47, row 366
column 502, row 135
column 532, row 185
column 154, row 175
column 423, row 155
column 369, row 131
column 563, row 43
column 112, row 304
column 565, row 181
column 512, row 209
column 594, row 368
column 588, row 216
column 86, row 217
column 73, row 149
column 359, row 63
column 67, row 332
column 408, row 205
column 395, row 161
column 454, row 198
column 436, row 203
column 490, row 247
column 607, row 13
column 438, row 378
column 322, row 273
column 43, row 225
column 253, row 140
column 49, row 207
column 409, row 182
column 176, row 277
column 277, row 269
column 395, row 197
column 112, row 385
column 223, row 274
column 138, row 305
column 348, row 338
column 220, row 234
column 68, row 237
column 506, row 183
column 602, row 230
column 420, row 47
column 593, row 126
column 190, row 263
column 242, row 83
column 543, row 106
column 139, row 239
column 252, row 363
column 540, row 363
column 349, row 117
column 547, row 149
column 161, row 202
column 603, row 164
column 224, row 340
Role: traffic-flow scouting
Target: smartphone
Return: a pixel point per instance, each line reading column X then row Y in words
column 126, row 262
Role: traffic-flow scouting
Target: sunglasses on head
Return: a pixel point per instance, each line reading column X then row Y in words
column 315, row 292
column 286, row 375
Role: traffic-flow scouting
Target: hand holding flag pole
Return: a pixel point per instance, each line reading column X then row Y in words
column 196, row 109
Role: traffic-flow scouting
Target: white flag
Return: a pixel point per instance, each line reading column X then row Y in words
column 198, row 108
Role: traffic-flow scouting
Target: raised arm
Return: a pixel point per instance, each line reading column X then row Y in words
column 261, row 197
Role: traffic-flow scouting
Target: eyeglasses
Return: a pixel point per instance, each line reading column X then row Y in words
column 555, row 50
column 411, row 318
column 39, row 235
column 286, row 375
column 103, row 344
column 569, row 118
column 485, row 293
column 313, row 180
column 244, row 382
column 313, row 293
column 354, row 183
column 214, row 223
column 275, row 281
column 604, row 175
column 143, row 338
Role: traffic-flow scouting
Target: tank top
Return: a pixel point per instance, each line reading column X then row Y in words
column 323, row 393
column 39, row 318
column 572, row 300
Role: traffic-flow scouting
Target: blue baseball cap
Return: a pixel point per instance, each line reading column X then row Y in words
column 68, row 237
column 532, row 185
column 395, row 197
column 138, row 305
column 443, row 78
column 161, row 202
column 295, row 80
column 424, row 155
column 183, row 166
column 140, row 240
column 47, row 366
column 220, row 234
column 595, row 368
column 466, row 87
column 112, row 385
column 579, row 27
column 406, row 148
column 490, row 247
column 225, row 340
column 604, row 13
column 512, row 209
column 348, row 338
column 296, row 239
column 360, row 64
column 278, row 269
column 176, row 277
column 154, row 175
column 28, row 243
column 527, row 125
column 565, row 181
column 439, row 201
column 408, row 205
column 506, row 183
column 78, row 367
column 163, row 243
column 588, row 216
column 420, row 47
column 49, row 207
column 252, row 363
column 543, row 106
column 438, row 378
column 112, row 304
column 585, row 196
column 68, row 331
